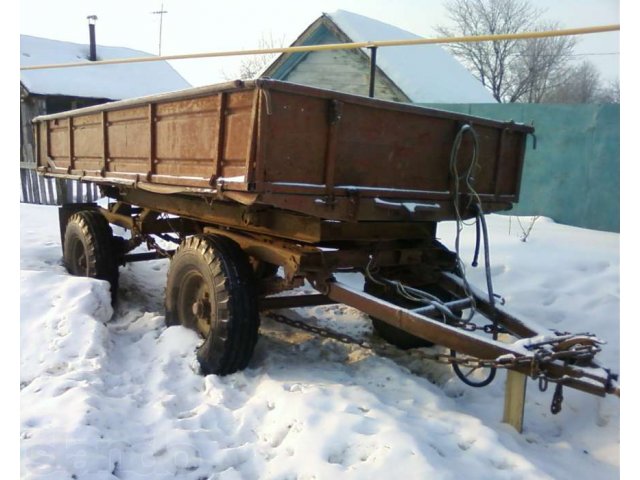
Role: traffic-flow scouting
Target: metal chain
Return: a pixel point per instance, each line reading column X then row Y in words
column 468, row 362
column 323, row 332
column 556, row 402
column 533, row 363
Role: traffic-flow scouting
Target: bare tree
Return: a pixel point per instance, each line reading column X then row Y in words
column 579, row 84
column 252, row 66
column 611, row 92
column 540, row 65
column 514, row 70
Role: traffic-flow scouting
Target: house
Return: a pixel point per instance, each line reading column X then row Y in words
column 56, row 90
column 416, row 74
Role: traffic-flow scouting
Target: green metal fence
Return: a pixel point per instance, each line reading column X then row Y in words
column 573, row 176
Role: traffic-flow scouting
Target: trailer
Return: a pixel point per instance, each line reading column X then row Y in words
column 265, row 184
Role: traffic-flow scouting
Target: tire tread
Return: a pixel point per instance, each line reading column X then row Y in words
column 98, row 238
column 229, row 348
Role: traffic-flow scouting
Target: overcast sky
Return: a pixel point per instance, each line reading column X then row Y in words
column 210, row 25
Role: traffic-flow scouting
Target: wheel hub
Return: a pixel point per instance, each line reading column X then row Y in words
column 202, row 308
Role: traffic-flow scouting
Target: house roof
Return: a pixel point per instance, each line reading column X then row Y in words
column 114, row 82
column 424, row 73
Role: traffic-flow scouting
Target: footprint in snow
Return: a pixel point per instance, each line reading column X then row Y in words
column 58, row 369
column 295, row 387
column 497, row 270
column 351, row 455
column 502, row 463
column 280, row 436
column 465, row 445
column 337, row 458
column 548, row 299
column 60, row 390
column 596, row 267
column 185, row 415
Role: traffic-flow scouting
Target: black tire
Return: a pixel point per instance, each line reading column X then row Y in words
column 211, row 290
column 389, row 333
column 88, row 248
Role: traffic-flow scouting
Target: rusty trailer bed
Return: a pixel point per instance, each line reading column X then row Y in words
column 319, row 153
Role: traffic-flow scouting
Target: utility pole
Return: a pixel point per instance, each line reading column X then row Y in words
column 160, row 12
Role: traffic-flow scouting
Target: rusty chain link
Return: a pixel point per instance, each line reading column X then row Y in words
column 323, row 332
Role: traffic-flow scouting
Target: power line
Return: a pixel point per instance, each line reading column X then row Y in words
column 594, row 53
column 567, row 55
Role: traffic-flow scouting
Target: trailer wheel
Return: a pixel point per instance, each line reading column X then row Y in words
column 88, row 248
column 389, row 333
column 211, row 289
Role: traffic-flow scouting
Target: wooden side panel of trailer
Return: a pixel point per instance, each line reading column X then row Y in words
column 183, row 142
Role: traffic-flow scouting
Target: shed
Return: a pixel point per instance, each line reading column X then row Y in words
column 416, row 74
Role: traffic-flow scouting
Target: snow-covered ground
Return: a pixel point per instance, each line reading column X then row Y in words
column 114, row 394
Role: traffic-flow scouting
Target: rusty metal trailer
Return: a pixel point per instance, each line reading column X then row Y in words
column 250, row 177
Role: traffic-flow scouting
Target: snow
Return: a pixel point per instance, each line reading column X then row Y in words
column 115, row 82
column 410, row 207
column 113, row 394
column 237, row 179
column 425, row 73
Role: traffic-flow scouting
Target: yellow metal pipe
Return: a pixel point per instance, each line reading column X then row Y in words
column 342, row 46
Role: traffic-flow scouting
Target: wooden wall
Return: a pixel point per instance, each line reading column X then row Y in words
column 30, row 107
column 340, row 70
column 33, row 187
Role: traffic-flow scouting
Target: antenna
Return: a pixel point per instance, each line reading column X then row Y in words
column 160, row 12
